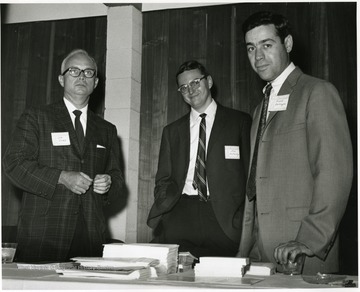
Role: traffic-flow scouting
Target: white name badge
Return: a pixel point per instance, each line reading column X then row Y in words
column 232, row 152
column 60, row 139
column 279, row 103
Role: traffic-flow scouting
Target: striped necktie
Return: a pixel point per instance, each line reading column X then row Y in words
column 199, row 182
column 251, row 187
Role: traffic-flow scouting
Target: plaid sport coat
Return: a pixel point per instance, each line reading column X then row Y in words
column 33, row 162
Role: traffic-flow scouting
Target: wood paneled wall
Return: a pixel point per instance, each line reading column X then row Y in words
column 324, row 46
column 31, row 56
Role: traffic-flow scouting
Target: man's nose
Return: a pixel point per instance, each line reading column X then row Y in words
column 82, row 75
column 259, row 54
column 191, row 90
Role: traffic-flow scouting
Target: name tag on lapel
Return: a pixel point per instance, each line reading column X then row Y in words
column 232, row 152
column 60, row 139
column 279, row 103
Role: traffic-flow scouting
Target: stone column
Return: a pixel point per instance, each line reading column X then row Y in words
column 122, row 105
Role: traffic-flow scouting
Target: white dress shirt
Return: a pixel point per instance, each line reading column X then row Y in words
column 83, row 118
column 195, row 120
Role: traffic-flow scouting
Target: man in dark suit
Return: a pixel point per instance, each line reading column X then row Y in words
column 205, row 222
column 68, row 170
column 304, row 159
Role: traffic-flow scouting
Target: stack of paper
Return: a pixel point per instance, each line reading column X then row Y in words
column 221, row 267
column 261, row 269
column 167, row 254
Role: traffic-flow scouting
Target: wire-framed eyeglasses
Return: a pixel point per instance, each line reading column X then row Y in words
column 75, row 72
column 193, row 84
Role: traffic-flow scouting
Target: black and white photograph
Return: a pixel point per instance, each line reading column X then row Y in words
column 179, row 145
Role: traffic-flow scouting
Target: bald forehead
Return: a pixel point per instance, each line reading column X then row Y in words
column 80, row 58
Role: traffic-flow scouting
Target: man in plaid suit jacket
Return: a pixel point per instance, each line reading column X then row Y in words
column 65, row 185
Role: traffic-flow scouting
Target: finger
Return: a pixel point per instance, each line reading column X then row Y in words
column 100, row 190
column 102, row 183
column 283, row 257
column 285, row 253
column 99, row 181
column 88, row 178
column 102, row 178
column 101, row 187
column 278, row 252
column 98, row 184
column 77, row 190
column 99, row 176
column 294, row 253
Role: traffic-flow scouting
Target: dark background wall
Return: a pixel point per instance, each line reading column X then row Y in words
column 324, row 46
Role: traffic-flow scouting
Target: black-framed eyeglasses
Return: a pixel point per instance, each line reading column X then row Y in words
column 75, row 72
column 193, row 84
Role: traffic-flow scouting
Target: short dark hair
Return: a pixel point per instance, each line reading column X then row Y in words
column 191, row 65
column 280, row 22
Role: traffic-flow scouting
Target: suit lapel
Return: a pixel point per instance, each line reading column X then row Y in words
column 183, row 152
column 217, row 129
column 91, row 130
column 290, row 82
column 184, row 136
column 286, row 88
column 65, row 122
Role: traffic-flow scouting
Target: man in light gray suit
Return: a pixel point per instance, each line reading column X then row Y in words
column 304, row 158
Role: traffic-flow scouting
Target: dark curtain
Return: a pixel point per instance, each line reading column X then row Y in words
column 31, row 56
column 324, row 46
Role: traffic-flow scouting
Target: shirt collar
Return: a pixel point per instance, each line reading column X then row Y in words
column 210, row 111
column 70, row 107
column 278, row 82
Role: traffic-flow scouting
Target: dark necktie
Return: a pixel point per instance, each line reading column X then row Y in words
column 251, row 187
column 200, row 170
column 79, row 128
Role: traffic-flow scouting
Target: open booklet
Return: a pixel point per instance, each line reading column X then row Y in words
column 95, row 263
column 137, row 274
column 47, row 266
column 112, row 268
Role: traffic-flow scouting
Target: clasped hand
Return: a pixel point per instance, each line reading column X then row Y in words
column 79, row 182
column 289, row 250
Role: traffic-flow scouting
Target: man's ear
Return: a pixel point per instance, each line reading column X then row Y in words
column 210, row 81
column 288, row 42
column 61, row 80
column 96, row 82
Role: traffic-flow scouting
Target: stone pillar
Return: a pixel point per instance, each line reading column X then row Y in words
column 122, row 105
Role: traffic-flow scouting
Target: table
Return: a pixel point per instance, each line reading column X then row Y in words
column 15, row 279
